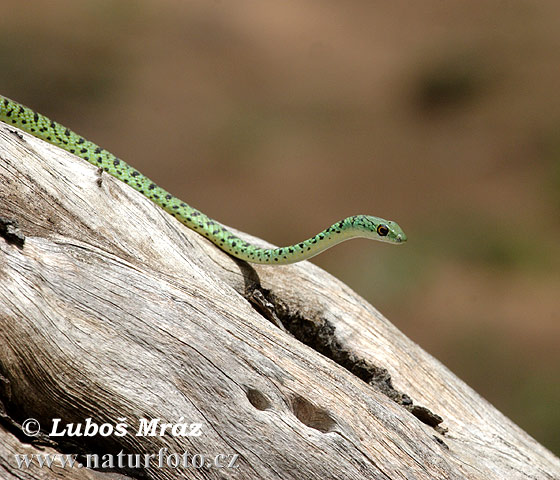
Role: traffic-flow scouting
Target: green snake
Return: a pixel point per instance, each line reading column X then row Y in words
column 356, row 226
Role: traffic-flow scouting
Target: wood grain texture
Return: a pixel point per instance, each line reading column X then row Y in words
column 112, row 309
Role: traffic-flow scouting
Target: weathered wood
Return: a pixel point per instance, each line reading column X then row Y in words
column 112, row 309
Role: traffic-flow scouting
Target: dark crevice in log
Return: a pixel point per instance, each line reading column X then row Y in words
column 80, row 447
column 16, row 429
column 320, row 335
column 11, row 232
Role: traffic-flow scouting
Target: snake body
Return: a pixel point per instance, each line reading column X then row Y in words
column 356, row 226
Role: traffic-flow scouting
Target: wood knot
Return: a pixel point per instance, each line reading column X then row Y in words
column 312, row 416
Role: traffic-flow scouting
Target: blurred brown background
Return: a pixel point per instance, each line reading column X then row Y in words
column 280, row 118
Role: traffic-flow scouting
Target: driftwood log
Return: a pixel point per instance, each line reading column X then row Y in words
column 112, row 312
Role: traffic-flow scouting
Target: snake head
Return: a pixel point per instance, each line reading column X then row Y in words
column 379, row 229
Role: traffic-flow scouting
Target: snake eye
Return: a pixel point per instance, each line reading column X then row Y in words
column 382, row 230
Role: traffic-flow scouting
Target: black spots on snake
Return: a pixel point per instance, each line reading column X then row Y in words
column 57, row 134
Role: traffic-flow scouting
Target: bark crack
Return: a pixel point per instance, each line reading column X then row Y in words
column 10, row 231
column 320, row 335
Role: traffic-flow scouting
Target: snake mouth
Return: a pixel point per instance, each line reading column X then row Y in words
column 401, row 237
